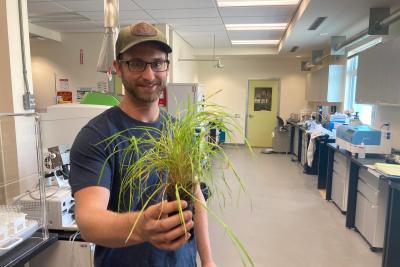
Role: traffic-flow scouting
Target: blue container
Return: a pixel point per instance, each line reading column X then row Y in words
column 221, row 136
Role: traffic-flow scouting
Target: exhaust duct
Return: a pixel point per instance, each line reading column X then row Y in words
column 111, row 29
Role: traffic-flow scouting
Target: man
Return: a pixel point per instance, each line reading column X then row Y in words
column 158, row 238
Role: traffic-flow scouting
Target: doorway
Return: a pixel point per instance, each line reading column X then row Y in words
column 262, row 109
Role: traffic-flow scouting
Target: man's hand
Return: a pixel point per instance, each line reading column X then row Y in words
column 162, row 231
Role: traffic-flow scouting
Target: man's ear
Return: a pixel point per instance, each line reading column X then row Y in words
column 118, row 67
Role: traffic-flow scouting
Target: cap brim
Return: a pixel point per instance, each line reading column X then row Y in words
column 166, row 47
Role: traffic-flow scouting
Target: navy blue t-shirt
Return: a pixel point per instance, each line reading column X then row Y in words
column 88, row 155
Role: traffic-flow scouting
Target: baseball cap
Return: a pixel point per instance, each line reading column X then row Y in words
column 139, row 33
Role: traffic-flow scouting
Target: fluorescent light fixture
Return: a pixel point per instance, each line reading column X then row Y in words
column 255, row 42
column 258, row 3
column 253, row 27
column 365, row 46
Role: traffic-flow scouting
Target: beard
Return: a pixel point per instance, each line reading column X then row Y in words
column 137, row 92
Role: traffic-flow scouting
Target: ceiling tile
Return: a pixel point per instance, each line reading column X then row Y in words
column 123, row 15
column 84, row 5
column 191, row 21
column 125, row 5
column 264, row 19
column 95, row 16
column 207, row 42
column 259, row 11
column 200, row 28
column 73, row 26
column 36, row 8
column 255, row 35
column 174, row 4
column 184, row 13
column 96, row 5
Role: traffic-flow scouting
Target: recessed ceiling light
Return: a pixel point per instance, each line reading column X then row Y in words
column 323, row 34
column 298, row 56
column 253, row 27
column 258, row 3
column 255, row 42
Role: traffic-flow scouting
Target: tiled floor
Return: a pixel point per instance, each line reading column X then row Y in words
column 283, row 221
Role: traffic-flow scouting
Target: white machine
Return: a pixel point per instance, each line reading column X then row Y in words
column 59, row 204
column 62, row 123
column 59, row 126
column 178, row 95
column 363, row 139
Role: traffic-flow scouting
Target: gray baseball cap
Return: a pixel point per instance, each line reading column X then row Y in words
column 139, row 33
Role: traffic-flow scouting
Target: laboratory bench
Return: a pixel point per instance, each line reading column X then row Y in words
column 387, row 218
column 69, row 250
column 299, row 140
column 28, row 249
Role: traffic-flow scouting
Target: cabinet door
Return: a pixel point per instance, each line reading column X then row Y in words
column 335, row 82
column 308, row 86
column 391, row 72
column 313, row 84
column 323, row 80
column 361, row 210
column 369, row 76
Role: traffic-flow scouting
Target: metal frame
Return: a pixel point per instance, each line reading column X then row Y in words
column 384, row 23
column 39, row 156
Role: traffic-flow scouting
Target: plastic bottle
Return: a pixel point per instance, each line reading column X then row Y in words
column 361, row 153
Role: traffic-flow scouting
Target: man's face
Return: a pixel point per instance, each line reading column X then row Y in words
column 144, row 86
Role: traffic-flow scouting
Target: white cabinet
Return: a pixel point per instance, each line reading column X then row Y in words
column 179, row 94
column 372, row 196
column 378, row 75
column 340, row 181
column 65, row 254
column 326, row 84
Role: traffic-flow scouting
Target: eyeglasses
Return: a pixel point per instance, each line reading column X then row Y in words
column 139, row 66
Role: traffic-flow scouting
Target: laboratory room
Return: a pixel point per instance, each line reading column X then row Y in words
column 183, row 133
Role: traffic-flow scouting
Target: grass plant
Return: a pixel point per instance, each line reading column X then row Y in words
column 183, row 156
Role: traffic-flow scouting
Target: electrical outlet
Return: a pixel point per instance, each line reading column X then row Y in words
column 29, row 101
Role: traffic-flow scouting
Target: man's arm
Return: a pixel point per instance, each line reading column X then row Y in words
column 201, row 231
column 111, row 229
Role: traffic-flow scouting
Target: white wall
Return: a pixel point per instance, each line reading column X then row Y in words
column 62, row 59
column 389, row 114
column 182, row 71
column 18, row 168
column 233, row 80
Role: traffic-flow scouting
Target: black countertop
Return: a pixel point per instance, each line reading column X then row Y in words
column 27, row 250
column 370, row 159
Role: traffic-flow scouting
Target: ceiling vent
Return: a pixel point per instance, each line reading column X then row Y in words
column 294, row 49
column 317, row 22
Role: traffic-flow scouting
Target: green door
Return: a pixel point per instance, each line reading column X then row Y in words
column 262, row 109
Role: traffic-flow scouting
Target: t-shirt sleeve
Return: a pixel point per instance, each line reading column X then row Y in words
column 88, row 159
